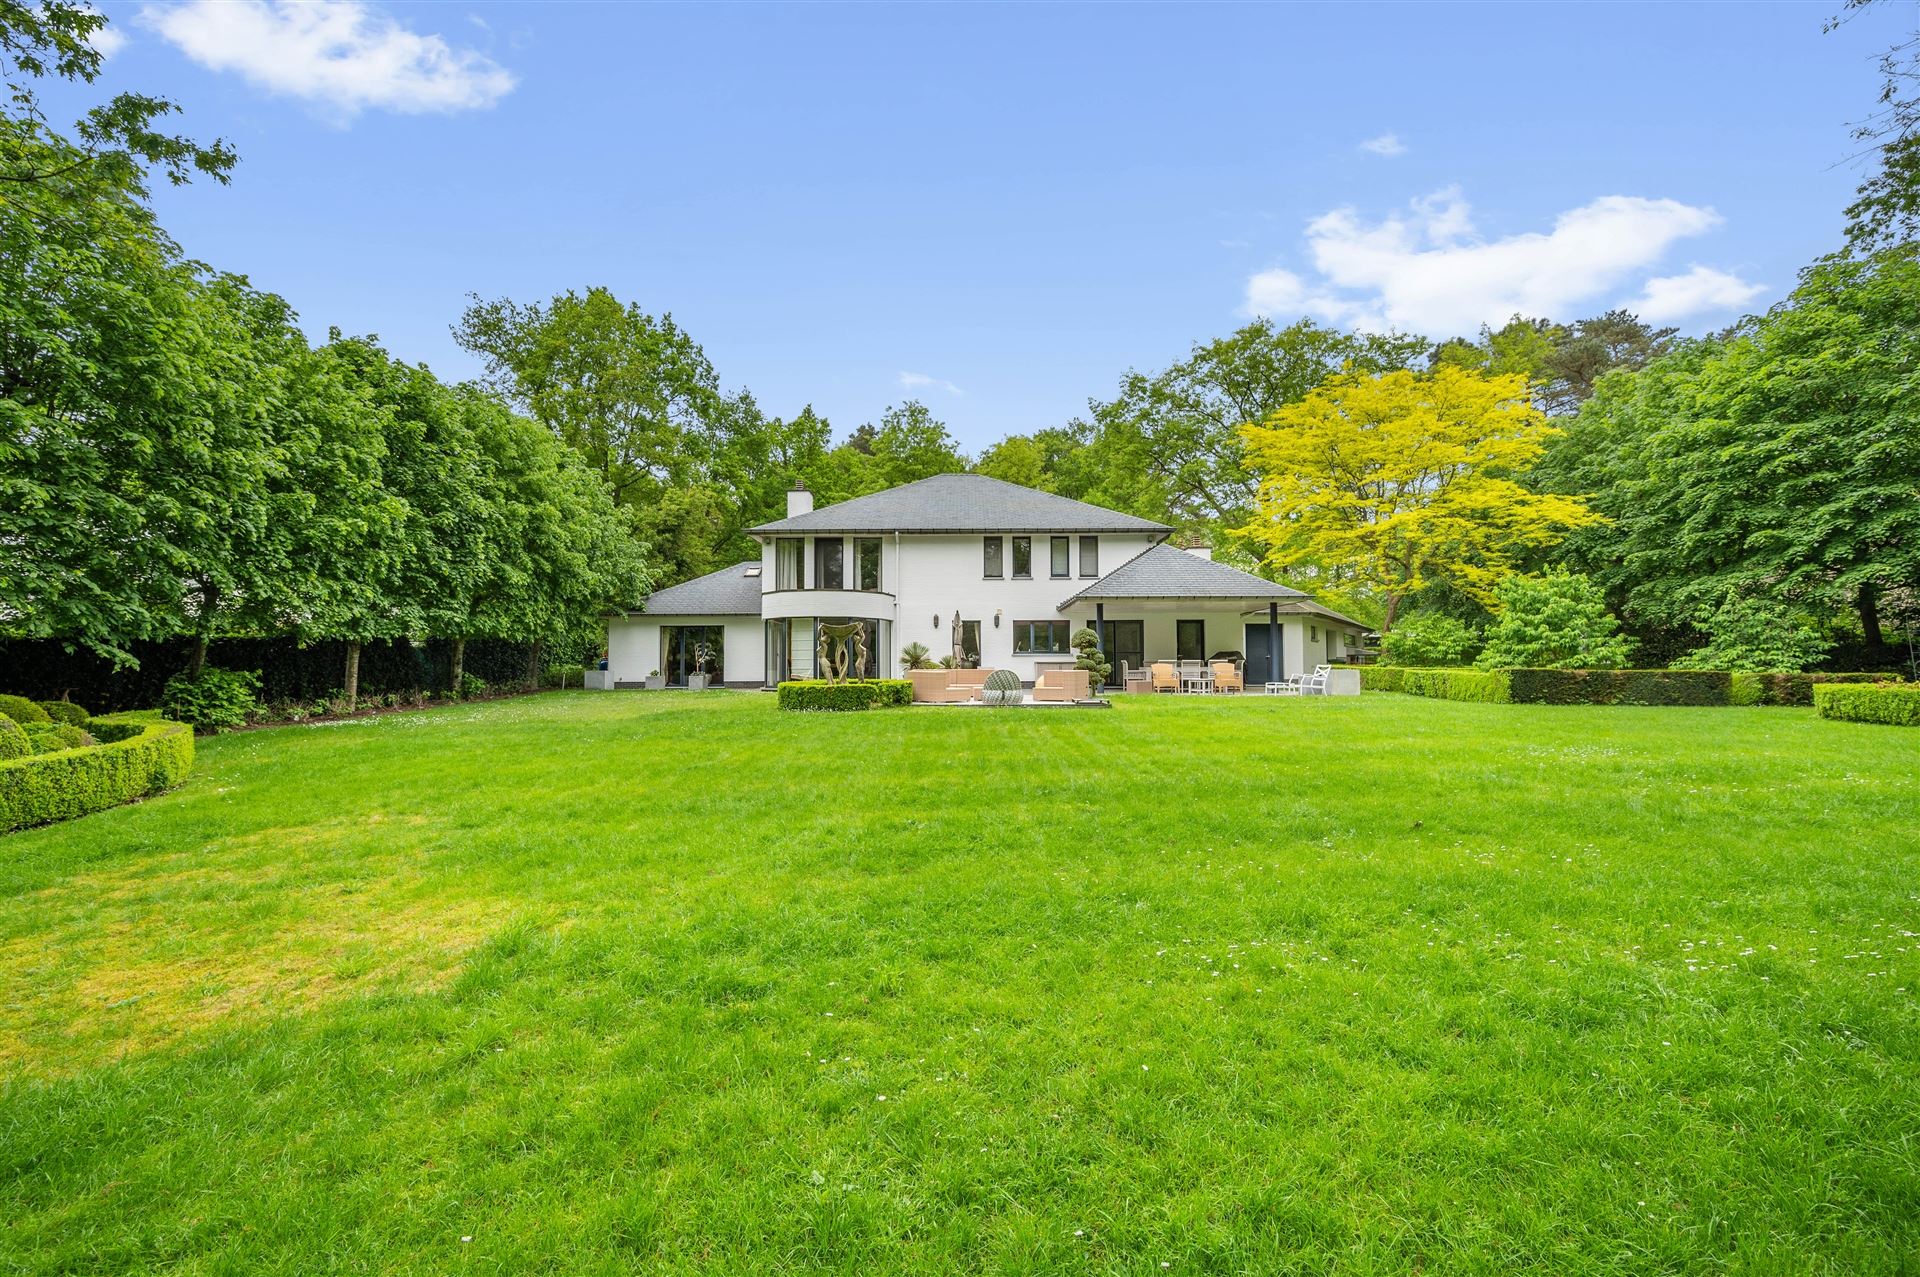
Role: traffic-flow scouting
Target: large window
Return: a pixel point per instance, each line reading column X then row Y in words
column 789, row 563
column 1022, row 558
column 692, row 649
column 866, row 563
column 996, row 548
column 1060, row 549
column 1089, row 556
column 1190, row 640
column 1041, row 638
column 829, row 563
column 970, row 644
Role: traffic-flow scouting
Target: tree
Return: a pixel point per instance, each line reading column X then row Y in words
column 1556, row 621
column 633, row 393
column 1780, row 461
column 1886, row 207
column 1385, row 483
column 907, row 444
column 1562, row 362
column 1427, row 640
column 1756, row 635
column 1175, row 434
column 117, row 138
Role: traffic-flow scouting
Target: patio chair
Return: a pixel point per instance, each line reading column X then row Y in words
column 1226, row 678
column 1315, row 684
column 1165, row 678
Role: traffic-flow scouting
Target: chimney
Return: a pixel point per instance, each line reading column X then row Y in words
column 799, row 500
column 1199, row 551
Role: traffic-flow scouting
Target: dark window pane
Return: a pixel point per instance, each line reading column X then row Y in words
column 996, row 546
column 1190, row 640
column 1040, row 638
column 829, row 564
column 866, row 562
column 1089, row 556
column 1022, row 557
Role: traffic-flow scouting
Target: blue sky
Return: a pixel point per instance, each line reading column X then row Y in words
column 1006, row 205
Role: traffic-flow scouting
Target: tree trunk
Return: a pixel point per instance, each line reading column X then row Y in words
column 353, row 676
column 459, row 663
column 198, row 661
column 1869, row 599
column 1393, row 608
column 533, row 663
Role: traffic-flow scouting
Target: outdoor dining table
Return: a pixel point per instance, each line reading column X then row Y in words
column 1196, row 682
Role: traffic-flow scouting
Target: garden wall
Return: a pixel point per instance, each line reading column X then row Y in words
column 137, row 756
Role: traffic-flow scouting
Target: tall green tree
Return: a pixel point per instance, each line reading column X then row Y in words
column 907, row 444
column 1563, row 362
column 1886, row 207
column 1781, row 461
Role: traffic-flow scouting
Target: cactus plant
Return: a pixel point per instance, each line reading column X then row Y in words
column 1002, row 688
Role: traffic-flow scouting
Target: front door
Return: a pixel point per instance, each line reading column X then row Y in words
column 1259, row 668
column 1126, row 641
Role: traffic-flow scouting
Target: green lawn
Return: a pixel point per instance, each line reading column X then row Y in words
column 593, row 983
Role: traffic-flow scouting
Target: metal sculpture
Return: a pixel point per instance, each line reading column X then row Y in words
column 843, row 648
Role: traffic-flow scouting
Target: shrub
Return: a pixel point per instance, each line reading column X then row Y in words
column 14, row 742
column 1381, row 678
column 1620, row 687
column 472, row 685
column 22, row 711
column 66, row 712
column 819, row 695
column 1755, row 636
column 1744, row 689
column 1001, row 688
column 1556, row 621
column 1089, row 657
column 1429, row 642
column 553, row 676
column 50, row 737
column 1797, row 689
column 1485, row 686
column 215, row 701
column 154, row 755
column 914, row 656
column 1894, row 703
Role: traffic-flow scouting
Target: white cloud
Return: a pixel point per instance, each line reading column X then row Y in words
column 1701, row 289
column 1387, row 144
column 921, row 381
column 1428, row 271
column 340, row 54
column 107, row 39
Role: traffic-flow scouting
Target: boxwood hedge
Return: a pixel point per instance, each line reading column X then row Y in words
column 1621, row 687
column 1610, row 687
column 22, row 711
column 1792, row 689
column 1895, row 703
column 138, row 756
column 870, row 693
column 1489, row 687
column 66, row 712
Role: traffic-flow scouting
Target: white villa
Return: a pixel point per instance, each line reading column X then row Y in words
column 989, row 571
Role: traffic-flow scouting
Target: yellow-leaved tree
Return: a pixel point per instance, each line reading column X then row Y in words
column 1379, row 485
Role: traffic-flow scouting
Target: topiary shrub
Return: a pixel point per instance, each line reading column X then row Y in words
column 1897, row 704
column 1001, row 688
column 49, row 738
column 14, row 742
column 22, row 711
column 48, row 787
column 1088, row 656
column 66, row 712
column 215, row 701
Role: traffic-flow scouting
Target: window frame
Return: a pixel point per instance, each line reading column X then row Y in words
column 781, row 581
column 838, row 560
column 860, row 546
column 1059, row 557
column 1087, row 542
column 1023, row 548
column 993, row 558
column 1024, row 632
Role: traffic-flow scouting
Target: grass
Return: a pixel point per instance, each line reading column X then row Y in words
column 598, row 983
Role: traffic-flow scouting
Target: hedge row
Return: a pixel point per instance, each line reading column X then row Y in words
column 137, row 756
column 1898, row 704
column 43, row 669
column 818, row 694
column 1608, row 687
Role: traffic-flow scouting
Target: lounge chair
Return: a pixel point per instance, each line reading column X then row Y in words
column 1165, row 678
column 1226, row 678
column 947, row 686
column 1062, row 685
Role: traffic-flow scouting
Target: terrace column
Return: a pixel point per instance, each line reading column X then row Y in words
column 1273, row 643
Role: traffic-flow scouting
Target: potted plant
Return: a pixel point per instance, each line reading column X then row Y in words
column 655, row 681
column 914, row 656
column 698, row 680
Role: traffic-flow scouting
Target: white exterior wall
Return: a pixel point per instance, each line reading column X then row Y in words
column 633, row 647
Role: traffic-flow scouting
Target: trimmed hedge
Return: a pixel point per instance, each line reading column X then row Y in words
column 50, row 738
column 1894, row 703
column 1489, row 687
column 152, row 756
column 14, row 742
column 22, row 711
column 820, row 695
column 66, row 712
column 1792, row 689
column 1621, row 687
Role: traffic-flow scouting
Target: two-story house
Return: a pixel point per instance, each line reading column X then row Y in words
column 994, row 573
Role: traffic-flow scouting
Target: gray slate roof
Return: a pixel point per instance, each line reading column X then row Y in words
column 962, row 503
column 728, row 592
column 1167, row 572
